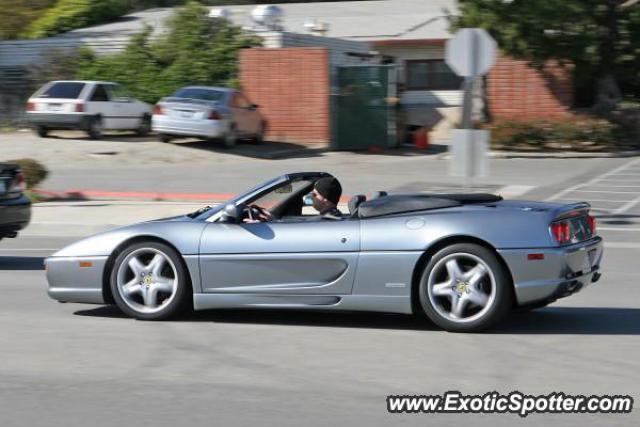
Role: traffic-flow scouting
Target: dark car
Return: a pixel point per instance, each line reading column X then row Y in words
column 15, row 207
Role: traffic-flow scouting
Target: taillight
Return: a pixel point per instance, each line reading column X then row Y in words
column 591, row 220
column 214, row 115
column 157, row 110
column 31, row 106
column 560, row 231
column 19, row 183
column 79, row 108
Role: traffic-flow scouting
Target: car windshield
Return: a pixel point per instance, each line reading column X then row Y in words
column 62, row 90
column 207, row 211
column 199, row 93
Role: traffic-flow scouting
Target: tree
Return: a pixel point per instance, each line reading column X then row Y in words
column 599, row 37
column 15, row 15
column 196, row 50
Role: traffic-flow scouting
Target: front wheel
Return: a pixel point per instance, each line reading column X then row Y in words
column 149, row 282
column 465, row 288
column 259, row 137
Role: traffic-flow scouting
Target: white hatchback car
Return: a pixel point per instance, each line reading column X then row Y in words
column 210, row 113
column 89, row 106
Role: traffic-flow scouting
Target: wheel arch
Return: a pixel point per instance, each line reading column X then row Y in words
column 435, row 248
column 106, row 274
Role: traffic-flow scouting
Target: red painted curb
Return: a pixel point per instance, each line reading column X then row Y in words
column 142, row 195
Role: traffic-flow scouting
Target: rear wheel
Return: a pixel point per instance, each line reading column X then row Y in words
column 165, row 138
column 150, row 282
column 95, row 128
column 465, row 288
column 145, row 126
column 42, row 131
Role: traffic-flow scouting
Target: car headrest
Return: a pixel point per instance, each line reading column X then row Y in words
column 378, row 194
column 354, row 202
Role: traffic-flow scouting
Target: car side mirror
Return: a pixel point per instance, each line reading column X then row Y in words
column 232, row 213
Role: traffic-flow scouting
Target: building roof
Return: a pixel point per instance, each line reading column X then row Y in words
column 373, row 20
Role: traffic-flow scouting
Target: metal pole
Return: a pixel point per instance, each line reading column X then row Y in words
column 467, row 106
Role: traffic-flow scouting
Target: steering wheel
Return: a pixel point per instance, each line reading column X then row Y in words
column 257, row 213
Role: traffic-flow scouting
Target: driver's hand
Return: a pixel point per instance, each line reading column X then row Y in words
column 265, row 215
column 250, row 221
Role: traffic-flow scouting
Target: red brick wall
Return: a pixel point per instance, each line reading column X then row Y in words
column 518, row 91
column 291, row 86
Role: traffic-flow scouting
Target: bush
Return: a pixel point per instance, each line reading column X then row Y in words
column 34, row 172
column 579, row 133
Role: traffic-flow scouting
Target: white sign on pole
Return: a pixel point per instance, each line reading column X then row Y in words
column 471, row 52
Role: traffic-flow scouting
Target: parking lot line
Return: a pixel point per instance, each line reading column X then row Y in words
column 574, row 200
column 628, row 206
column 608, row 174
column 618, row 229
column 603, row 191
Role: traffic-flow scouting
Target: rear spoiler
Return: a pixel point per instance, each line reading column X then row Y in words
column 570, row 210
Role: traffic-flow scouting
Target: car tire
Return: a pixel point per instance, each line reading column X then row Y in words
column 230, row 139
column 149, row 281
column 465, row 288
column 165, row 138
column 42, row 131
column 145, row 126
column 95, row 128
column 259, row 138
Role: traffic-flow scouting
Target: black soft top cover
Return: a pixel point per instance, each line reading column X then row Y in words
column 403, row 203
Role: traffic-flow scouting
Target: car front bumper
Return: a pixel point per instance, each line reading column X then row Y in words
column 15, row 215
column 184, row 127
column 547, row 274
column 76, row 279
column 59, row 120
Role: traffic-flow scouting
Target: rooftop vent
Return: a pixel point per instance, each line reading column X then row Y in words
column 268, row 16
column 220, row 13
column 316, row 27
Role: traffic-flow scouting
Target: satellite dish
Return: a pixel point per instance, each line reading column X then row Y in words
column 268, row 15
column 220, row 13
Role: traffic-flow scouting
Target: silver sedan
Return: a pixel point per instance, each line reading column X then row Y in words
column 212, row 113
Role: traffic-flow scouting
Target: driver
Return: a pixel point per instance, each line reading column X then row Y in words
column 326, row 194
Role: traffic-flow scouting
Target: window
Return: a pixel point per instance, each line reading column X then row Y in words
column 118, row 93
column 100, row 94
column 432, row 74
column 63, row 90
column 198, row 93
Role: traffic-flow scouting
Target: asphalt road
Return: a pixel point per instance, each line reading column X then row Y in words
column 77, row 365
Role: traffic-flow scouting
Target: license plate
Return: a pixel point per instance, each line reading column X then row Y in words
column 55, row 107
column 186, row 115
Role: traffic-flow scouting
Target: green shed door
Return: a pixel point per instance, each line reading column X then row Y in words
column 363, row 117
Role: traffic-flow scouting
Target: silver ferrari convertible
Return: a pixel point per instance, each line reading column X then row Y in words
column 462, row 260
